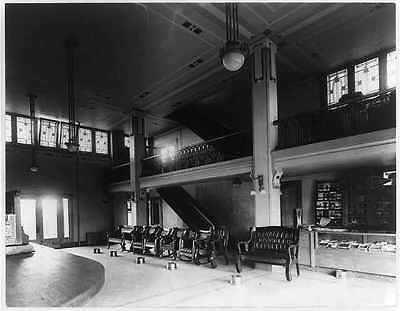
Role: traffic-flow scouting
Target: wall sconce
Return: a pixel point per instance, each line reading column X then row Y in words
column 260, row 185
column 276, row 179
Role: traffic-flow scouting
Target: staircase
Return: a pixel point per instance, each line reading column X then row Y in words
column 186, row 207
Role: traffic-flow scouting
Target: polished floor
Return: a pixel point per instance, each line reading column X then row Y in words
column 51, row 278
column 151, row 285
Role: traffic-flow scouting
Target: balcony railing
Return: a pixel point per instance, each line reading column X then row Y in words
column 120, row 173
column 220, row 149
column 364, row 114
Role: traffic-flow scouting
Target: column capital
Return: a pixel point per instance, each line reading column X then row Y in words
column 263, row 42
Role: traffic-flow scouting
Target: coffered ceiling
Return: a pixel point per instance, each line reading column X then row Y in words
column 157, row 57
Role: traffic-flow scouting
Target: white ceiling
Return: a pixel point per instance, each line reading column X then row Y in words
column 129, row 50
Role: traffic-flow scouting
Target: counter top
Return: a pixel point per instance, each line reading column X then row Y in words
column 349, row 231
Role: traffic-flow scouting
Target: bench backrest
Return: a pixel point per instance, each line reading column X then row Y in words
column 273, row 238
column 137, row 233
column 151, row 233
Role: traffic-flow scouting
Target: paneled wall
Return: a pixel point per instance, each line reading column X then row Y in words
column 57, row 177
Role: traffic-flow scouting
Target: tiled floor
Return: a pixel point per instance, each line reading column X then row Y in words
column 128, row 284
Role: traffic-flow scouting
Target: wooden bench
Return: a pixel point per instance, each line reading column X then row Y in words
column 273, row 245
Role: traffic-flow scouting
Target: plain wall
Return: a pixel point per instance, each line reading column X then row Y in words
column 179, row 137
column 300, row 97
column 170, row 218
column 119, row 206
column 56, row 176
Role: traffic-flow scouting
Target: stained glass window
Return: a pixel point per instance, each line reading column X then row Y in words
column 367, row 76
column 337, row 86
column 101, row 142
column 7, row 119
column 64, row 137
column 126, row 141
column 24, row 130
column 85, row 140
column 48, row 133
column 391, row 69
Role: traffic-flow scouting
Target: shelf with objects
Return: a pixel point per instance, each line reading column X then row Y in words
column 363, row 239
column 329, row 203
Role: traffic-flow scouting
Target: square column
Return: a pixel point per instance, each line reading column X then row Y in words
column 136, row 154
column 265, row 134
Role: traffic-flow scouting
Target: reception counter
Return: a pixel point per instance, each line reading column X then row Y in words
column 367, row 252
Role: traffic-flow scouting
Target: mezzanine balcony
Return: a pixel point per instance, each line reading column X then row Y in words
column 350, row 117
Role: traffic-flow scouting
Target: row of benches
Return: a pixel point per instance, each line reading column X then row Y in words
column 272, row 245
column 197, row 246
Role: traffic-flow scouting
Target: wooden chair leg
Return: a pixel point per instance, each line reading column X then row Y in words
column 288, row 272
column 226, row 256
column 239, row 265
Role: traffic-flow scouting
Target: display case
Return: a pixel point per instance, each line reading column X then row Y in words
column 366, row 252
column 329, row 203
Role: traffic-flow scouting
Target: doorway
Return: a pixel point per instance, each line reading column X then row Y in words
column 290, row 201
column 49, row 212
column 28, row 217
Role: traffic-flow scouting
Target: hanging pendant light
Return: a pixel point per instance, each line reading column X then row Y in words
column 73, row 125
column 233, row 54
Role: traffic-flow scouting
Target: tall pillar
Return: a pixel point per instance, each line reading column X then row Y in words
column 265, row 134
column 136, row 154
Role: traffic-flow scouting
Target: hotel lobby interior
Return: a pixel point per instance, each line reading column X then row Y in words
column 200, row 156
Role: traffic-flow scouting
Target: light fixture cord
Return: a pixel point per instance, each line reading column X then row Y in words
column 231, row 22
column 70, row 44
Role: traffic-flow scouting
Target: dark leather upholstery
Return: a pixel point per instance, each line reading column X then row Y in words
column 137, row 238
column 197, row 246
column 169, row 242
column 151, row 238
column 273, row 245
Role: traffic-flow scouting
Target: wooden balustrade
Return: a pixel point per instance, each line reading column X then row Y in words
column 360, row 115
column 224, row 148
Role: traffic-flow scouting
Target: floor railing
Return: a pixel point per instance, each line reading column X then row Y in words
column 359, row 115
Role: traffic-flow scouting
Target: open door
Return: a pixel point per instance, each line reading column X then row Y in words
column 290, row 201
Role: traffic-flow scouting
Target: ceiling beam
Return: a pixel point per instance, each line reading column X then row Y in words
column 184, row 87
column 197, row 19
column 311, row 19
column 288, row 13
column 270, row 7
